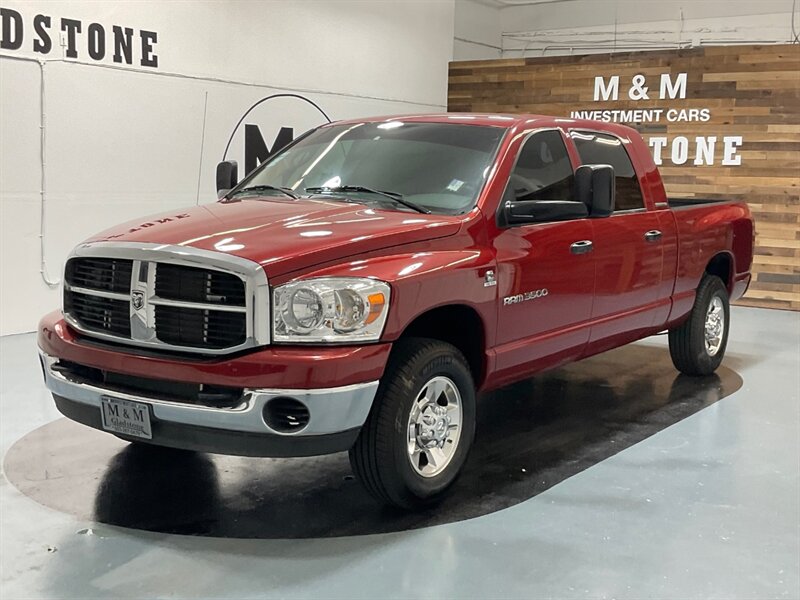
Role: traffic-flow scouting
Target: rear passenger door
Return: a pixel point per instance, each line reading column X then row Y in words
column 627, row 248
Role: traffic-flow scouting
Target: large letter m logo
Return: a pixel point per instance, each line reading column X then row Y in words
column 256, row 150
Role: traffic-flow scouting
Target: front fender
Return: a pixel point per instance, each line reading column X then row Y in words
column 422, row 281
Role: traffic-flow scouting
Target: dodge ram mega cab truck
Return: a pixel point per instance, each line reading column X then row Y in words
column 357, row 289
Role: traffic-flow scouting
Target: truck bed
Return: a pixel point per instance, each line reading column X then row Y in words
column 684, row 202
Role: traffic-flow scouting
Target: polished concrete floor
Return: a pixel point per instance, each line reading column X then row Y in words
column 610, row 478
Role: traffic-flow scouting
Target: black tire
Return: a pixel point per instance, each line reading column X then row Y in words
column 380, row 457
column 687, row 343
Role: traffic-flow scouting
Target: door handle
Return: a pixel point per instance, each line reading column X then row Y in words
column 581, row 247
column 653, row 235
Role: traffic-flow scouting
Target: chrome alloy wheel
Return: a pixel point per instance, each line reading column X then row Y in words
column 715, row 326
column 434, row 426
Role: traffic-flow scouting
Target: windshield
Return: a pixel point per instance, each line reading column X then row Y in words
column 439, row 167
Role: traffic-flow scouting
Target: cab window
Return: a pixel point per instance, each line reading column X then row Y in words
column 543, row 170
column 603, row 149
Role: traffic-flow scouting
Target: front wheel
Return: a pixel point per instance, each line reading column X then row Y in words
column 421, row 426
column 698, row 345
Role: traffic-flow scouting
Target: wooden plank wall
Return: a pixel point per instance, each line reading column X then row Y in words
column 750, row 91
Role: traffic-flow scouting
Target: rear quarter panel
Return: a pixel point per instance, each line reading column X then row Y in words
column 704, row 231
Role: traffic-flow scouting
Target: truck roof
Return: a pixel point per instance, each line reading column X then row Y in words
column 496, row 120
column 504, row 120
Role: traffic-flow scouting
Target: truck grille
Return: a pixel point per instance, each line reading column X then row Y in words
column 99, row 313
column 162, row 304
column 96, row 313
column 107, row 274
column 175, row 282
column 200, row 328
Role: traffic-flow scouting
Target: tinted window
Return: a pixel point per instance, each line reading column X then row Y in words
column 543, row 170
column 602, row 149
column 440, row 166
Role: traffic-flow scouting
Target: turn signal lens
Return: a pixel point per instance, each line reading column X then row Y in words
column 376, row 304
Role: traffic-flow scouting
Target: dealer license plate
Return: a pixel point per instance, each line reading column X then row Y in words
column 126, row 417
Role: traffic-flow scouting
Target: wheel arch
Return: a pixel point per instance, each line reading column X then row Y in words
column 722, row 265
column 457, row 324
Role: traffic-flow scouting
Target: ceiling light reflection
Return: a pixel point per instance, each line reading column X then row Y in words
column 227, row 245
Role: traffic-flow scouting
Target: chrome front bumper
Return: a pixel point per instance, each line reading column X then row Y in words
column 334, row 413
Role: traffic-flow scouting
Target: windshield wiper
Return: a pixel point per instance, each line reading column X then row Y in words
column 266, row 188
column 395, row 196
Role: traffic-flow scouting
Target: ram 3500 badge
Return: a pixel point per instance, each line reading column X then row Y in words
column 525, row 297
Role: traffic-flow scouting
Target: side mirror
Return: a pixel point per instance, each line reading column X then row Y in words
column 543, row 211
column 595, row 187
column 227, row 177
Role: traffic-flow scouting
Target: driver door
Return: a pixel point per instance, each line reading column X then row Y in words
column 546, row 270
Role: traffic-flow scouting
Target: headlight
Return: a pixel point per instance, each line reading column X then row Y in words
column 330, row 309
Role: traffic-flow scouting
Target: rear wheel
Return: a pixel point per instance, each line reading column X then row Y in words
column 421, row 426
column 698, row 345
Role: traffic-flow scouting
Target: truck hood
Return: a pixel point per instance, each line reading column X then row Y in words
column 285, row 235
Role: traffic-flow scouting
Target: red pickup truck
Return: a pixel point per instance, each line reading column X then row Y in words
column 357, row 289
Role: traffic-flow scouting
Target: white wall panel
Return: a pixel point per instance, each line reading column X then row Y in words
column 477, row 31
column 559, row 27
column 20, row 283
column 573, row 14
